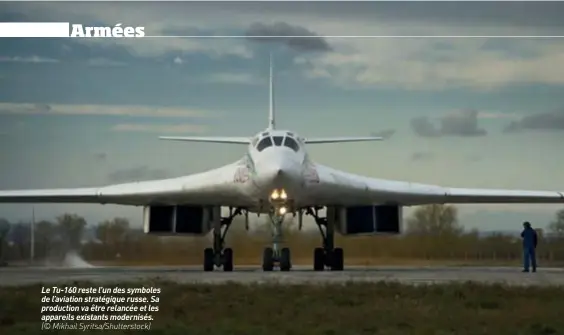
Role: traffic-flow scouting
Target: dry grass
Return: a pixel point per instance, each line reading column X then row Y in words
column 379, row 308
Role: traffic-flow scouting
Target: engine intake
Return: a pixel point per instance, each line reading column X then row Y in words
column 366, row 220
column 180, row 220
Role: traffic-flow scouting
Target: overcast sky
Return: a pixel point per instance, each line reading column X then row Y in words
column 470, row 112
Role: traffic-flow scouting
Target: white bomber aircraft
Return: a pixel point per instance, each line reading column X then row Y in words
column 277, row 177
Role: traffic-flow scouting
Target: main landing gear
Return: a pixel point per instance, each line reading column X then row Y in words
column 328, row 255
column 219, row 255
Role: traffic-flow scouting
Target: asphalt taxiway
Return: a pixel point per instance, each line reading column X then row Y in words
column 298, row 275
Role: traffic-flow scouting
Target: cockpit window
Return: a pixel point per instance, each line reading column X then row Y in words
column 278, row 140
column 264, row 143
column 292, row 144
column 254, row 141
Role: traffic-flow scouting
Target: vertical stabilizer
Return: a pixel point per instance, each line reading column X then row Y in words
column 271, row 117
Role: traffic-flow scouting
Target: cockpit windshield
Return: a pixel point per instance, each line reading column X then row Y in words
column 292, row 144
column 264, row 143
column 278, row 140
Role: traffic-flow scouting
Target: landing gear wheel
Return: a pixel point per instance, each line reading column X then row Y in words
column 228, row 259
column 268, row 259
column 318, row 259
column 337, row 262
column 208, row 259
column 219, row 255
column 285, row 260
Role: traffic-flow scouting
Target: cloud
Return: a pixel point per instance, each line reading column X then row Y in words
column 110, row 110
column 422, row 156
column 151, row 128
column 28, row 59
column 463, row 123
column 233, row 78
column 157, row 22
column 425, row 64
column 417, row 64
column 137, row 174
column 104, row 62
column 551, row 121
column 316, row 43
column 177, row 60
column 101, row 156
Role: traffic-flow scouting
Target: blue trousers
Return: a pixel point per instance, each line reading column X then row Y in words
column 529, row 257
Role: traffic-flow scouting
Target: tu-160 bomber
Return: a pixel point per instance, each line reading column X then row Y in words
column 276, row 177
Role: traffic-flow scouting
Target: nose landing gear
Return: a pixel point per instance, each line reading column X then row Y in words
column 273, row 256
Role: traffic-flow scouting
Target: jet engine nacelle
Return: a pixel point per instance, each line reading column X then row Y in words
column 366, row 220
column 180, row 220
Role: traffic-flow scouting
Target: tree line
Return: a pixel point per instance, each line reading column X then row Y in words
column 432, row 232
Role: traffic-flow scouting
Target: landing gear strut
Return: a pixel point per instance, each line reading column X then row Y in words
column 274, row 255
column 219, row 255
column 328, row 255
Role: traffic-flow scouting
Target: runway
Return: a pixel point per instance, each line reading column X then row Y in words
column 298, row 275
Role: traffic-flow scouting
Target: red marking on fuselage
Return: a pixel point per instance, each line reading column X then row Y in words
column 310, row 174
column 241, row 175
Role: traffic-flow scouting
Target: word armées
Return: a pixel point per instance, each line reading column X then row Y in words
column 79, row 30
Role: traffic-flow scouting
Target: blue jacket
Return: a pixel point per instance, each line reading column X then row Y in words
column 529, row 236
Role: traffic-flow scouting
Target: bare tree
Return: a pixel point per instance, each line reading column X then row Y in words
column 556, row 227
column 435, row 219
column 112, row 232
column 71, row 227
column 4, row 230
column 45, row 233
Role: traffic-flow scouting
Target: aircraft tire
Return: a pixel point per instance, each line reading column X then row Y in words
column 228, row 259
column 208, row 259
column 318, row 259
column 268, row 259
column 285, row 259
column 337, row 260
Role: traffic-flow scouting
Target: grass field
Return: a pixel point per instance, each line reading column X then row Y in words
column 359, row 308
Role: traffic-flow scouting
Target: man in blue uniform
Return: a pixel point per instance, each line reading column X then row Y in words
column 530, row 239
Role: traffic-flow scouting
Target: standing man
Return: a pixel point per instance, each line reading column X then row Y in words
column 530, row 239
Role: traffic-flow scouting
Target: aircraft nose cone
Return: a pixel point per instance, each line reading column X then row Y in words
column 276, row 173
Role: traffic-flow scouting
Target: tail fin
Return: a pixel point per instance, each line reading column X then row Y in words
column 271, row 118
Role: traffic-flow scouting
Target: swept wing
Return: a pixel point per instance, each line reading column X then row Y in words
column 206, row 188
column 342, row 188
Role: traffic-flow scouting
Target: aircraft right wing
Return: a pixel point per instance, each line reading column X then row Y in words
column 321, row 140
column 214, row 187
column 343, row 188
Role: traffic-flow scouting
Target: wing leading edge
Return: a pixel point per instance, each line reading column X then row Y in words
column 365, row 190
column 207, row 188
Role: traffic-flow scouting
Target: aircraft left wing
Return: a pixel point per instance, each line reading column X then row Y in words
column 209, row 139
column 214, row 187
column 342, row 188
